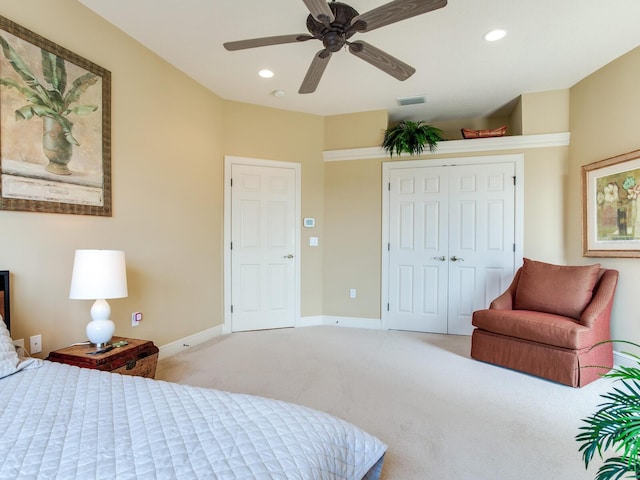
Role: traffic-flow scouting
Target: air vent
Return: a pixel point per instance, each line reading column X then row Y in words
column 404, row 101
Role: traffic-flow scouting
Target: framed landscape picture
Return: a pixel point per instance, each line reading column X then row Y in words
column 611, row 207
column 55, row 127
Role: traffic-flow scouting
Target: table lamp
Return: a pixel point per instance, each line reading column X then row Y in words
column 99, row 275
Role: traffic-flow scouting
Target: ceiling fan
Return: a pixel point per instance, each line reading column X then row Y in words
column 335, row 23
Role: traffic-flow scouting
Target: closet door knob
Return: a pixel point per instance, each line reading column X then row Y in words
column 457, row 259
column 442, row 258
column 288, row 256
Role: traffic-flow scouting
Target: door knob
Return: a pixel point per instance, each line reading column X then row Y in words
column 457, row 259
column 288, row 256
column 442, row 258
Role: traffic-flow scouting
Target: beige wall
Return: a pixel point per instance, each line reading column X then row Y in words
column 545, row 221
column 353, row 209
column 545, row 112
column 353, row 198
column 515, row 118
column 168, row 159
column 290, row 137
column 353, row 130
column 532, row 113
column 451, row 129
column 169, row 138
column 604, row 124
column 353, row 213
column 167, row 196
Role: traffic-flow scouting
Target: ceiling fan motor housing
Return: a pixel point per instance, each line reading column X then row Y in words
column 335, row 35
column 335, row 23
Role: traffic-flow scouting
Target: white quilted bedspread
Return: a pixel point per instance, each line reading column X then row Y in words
column 66, row 422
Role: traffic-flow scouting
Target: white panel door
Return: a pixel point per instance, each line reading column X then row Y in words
column 418, row 248
column 481, row 239
column 263, row 240
column 451, row 244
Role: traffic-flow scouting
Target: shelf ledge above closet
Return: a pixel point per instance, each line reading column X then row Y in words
column 514, row 142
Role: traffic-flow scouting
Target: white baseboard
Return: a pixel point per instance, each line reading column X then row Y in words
column 200, row 337
column 311, row 321
column 621, row 359
column 188, row 342
column 353, row 322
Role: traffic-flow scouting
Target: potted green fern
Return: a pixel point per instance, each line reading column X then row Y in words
column 616, row 427
column 411, row 137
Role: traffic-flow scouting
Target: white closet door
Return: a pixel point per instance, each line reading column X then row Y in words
column 451, row 244
column 418, row 249
column 481, row 239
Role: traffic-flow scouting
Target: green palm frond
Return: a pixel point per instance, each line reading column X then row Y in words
column 79, row 86
column 616, row 468
column 30, row 94
column 23, row 70
column 54, row 102
column 615, row 426
column 54, row 71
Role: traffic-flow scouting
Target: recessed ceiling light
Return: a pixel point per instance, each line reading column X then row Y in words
column 278, row 93
column 265, row 73
column 494, row 35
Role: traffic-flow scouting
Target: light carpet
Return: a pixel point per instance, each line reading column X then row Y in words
column 443, row 415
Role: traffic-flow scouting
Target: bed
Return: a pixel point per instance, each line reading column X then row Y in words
column 61, row 421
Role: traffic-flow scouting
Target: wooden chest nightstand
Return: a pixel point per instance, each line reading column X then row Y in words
column 139, row 357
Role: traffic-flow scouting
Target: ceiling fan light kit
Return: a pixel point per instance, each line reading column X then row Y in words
column 335, row 23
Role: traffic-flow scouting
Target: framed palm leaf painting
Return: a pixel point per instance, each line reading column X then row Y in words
column 55, row 127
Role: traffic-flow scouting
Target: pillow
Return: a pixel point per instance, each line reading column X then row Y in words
column 9, row 361
column 557, row 289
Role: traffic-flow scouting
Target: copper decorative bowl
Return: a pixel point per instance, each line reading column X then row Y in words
column 496, row 132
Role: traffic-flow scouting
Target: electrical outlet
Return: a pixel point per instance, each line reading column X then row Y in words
column 352, row 293
column 35, row 343
column 136, row 318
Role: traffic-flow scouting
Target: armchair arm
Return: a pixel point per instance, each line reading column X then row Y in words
column 601, row 303
column 505, row 301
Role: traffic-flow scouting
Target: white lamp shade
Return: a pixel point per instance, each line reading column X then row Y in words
column 98, row 274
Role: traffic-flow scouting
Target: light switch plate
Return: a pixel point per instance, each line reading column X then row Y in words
column 313, row 241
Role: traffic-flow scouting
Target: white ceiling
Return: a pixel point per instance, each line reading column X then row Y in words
column 551, row 44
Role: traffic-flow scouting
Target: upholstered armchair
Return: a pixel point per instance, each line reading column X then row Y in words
column 548, row 321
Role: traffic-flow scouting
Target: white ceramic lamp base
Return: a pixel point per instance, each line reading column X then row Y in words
column 100, row 329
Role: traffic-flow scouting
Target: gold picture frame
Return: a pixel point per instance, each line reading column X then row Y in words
column 611, row 207
column 55, row 127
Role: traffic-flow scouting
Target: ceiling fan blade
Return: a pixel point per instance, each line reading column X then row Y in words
column 266, row 41
column 314, row 74
column 382, row 60
column 320, row 10
column 394, row 12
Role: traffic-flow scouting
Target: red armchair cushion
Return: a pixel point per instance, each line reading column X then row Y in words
column 556, row 289
column 543, row 328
